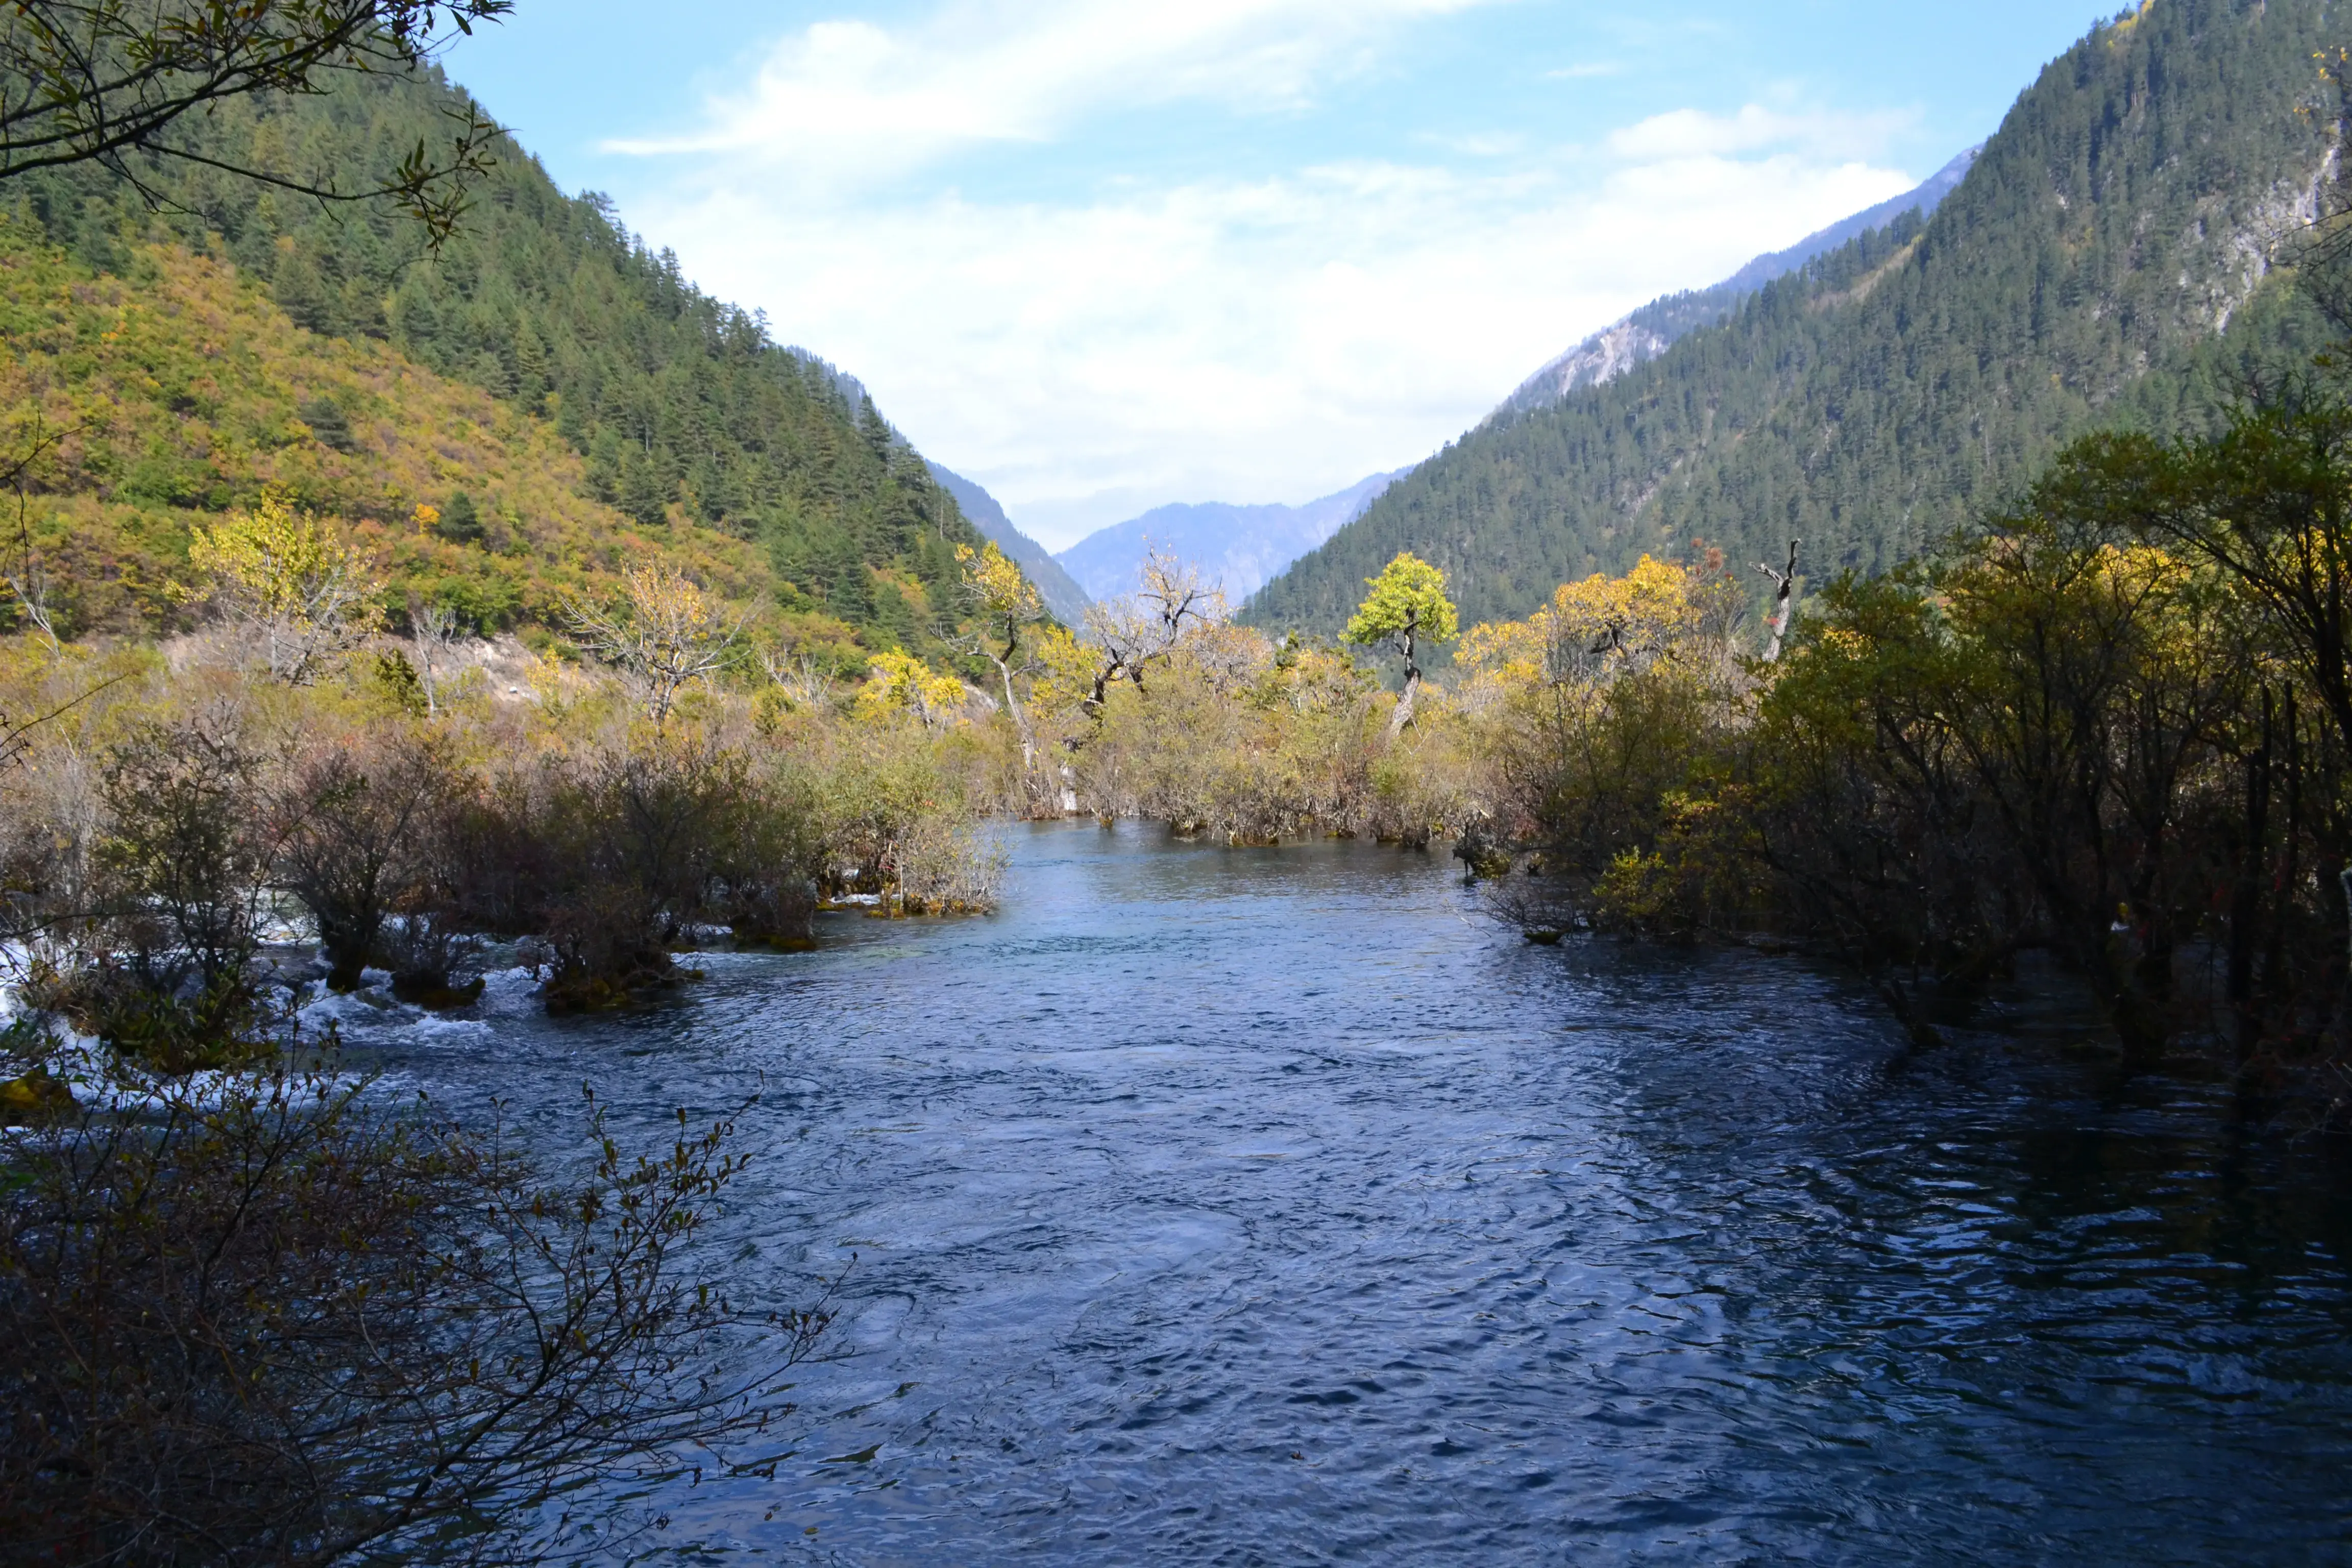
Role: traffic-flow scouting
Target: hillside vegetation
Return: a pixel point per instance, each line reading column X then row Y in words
column 1649, row 331
column 2125, row 215
column 586, row 401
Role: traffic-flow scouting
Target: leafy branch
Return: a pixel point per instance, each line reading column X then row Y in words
column 99, row 81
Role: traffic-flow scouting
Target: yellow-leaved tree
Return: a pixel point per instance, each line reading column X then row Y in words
column 1593, row 631
column 902, row 684
column 665, row 632
column 1004, row 605
column 1406, row 608
column 290, row 581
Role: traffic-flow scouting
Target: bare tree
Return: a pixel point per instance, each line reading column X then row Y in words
column 433, row 633
column 803, row 680
column 99, row 81
column 1132, row 634
column 1782, row 601
column 668, row 632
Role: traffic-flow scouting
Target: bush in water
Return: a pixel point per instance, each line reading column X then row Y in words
column 358, row 825
column 161, row 829
column 157, row 958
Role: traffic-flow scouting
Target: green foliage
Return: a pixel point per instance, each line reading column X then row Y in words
column 2110, row 724
column 327, row 423
column 1407, row 607
column 1899, row 388
column 681, row 414
column 460, row 522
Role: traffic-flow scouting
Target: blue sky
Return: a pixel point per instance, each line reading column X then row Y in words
column 1100, row 255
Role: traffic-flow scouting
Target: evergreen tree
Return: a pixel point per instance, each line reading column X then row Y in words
column 2079, row 277
column 460, row 523
column 676, row 399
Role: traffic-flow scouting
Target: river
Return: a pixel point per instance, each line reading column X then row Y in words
column 1266, row 1206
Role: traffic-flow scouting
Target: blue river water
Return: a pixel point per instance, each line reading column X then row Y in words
column 1268, row 1206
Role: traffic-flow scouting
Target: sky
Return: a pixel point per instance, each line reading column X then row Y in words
column 1100, row 255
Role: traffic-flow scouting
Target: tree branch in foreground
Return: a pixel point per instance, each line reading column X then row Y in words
column 279, row 1323
column 97, row 80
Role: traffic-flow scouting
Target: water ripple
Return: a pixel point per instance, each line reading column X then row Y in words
column 1252, row 1206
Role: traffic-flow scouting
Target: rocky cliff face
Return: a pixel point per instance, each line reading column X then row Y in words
column 1604, row 356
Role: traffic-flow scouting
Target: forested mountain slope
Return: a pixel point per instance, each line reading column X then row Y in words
column 180, row 390
column 672, row 419
column 1058, row 588
column 2129, row 206
column 1649, row 331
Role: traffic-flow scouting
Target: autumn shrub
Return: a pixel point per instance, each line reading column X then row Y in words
column 282, row 1322
column 1235, row 739
column 895, row 800
column 1585, row 718
column 634, row 835
column 164, row 821
column 160, row 963
column 768, row 855
column 359, row 825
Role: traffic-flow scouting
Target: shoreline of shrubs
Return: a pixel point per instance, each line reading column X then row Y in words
column 162, row 827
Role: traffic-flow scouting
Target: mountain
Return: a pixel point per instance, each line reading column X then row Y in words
column 1240, row 545
column 2082, row 275
column 204, row 390
column 1062, row 595
column 1652, row 330
column 620, row 410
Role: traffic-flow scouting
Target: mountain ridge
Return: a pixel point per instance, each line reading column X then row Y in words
column 985, row 512
column 1241, row 545
column 2081, row 276
column 1647, row 332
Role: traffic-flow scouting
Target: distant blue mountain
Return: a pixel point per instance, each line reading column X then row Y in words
column 1063, row 596
column 1648, row 332
column 1240, row 546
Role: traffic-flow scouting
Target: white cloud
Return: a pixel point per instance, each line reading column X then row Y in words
column 1695, row 134
column 1481, row 145
column 1249, row 340
column 1126, row 340
column 847, row 100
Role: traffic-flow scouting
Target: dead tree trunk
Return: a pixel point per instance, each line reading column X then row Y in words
column 1782, row 602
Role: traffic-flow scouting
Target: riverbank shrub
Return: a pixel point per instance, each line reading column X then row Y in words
column 280, row 1321
column 2110, row 724
column 157, row 959
column 173, row 817
column 1229, row 736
